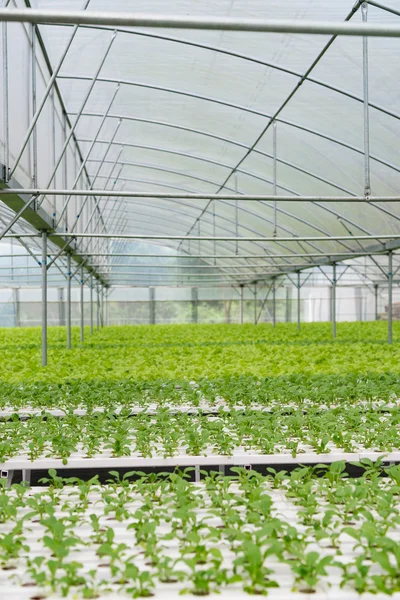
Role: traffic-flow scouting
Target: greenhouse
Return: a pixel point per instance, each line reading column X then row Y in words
column 199, row 299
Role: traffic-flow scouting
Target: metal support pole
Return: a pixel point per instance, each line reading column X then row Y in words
column 390, row 297
column 91, row 305
column 273, row 303
column 376, row 301
column 98, row 308
column 367, row 175
column 255, row 304
column 195, row 303
column 61, row 307
column 288, row 305
column 5, row 104
column 102, row 308
column 82, row 315
column 334, row 301
column 298, row 300
column 44, row 298
column 34, row 133
column 106, row 309
column 17, row 308
column 274, row 175
column 241, row 303
column 152, row 308
column 69, row 280
column 236, row 215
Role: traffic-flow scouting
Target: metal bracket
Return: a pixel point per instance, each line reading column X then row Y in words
column 7, row 474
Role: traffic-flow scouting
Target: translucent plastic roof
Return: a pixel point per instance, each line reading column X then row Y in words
column 194, row 113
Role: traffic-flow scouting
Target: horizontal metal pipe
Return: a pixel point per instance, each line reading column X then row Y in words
column 111, row 267
column 128, row 236
column 130, row 19
column 193, row 275
column 200, row 196
column 223, row 256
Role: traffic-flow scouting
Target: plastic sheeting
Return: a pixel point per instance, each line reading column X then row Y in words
column 193, row 104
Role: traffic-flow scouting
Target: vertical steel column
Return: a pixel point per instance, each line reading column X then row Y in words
column 333, row 309
column 241, row 303
column 98, row 307
column 44, row 298
column 298, row 300
column 376, row 301
column 195, row 304
column 288, row 304
column 91, row 305
column 236, row 214
column 69, row 278
column 214, row 233
column 82, row 315
column 255, row 303
column 273, row 303
column 274, row 174
column 106, row 308
column 390, row 297
column 61, row 307
column 152, row 308
column 17, row 307
column 6, row 123
column 102, row 307
column 34, row 133
column 367, row 171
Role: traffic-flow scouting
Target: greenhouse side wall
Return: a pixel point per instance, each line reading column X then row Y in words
column 21, row 307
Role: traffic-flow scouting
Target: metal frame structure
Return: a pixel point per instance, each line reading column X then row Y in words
column 92, row 217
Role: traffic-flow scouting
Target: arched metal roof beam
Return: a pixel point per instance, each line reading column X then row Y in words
column 230, row 221
column 270, row 205
column 219, row 164
column 221, row 268
column 251, row 59
column 165, row 185
column 256, row 176
column 380, row 207
column 326, row 256
column 247, row 210
column 229, row 105
column 168, row 209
